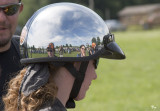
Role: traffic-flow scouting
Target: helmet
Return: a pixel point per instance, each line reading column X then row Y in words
column 68, row 25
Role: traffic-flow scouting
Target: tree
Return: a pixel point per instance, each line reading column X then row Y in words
column 105, row 8
column 70, row 45
column 94, row 40
column 98, row 41
column 33, row 47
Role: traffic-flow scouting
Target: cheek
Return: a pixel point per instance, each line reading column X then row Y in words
column 13, row 21
column 82, row 92
column 91, row 73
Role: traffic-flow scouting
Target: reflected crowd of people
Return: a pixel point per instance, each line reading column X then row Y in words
column 65, row 51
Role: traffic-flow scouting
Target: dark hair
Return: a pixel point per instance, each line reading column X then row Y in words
column 19, row 0
column 82, row 46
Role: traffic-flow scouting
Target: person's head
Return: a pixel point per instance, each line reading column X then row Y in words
column 73, row 74
column 52, row 88
column 9, row 12
column 51, row 50
column 82, row 48
column 93, row 45
column 51, row 45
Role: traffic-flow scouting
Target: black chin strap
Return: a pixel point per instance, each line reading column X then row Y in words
column 79, row 77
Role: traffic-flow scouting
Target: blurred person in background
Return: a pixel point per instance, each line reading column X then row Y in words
column 9, row 47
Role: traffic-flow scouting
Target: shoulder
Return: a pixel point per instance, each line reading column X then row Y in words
column 16, row 39
column 16, row 43
column 79, row 55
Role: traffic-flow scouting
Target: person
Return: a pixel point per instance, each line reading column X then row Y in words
column 9, row 47
column 54, row 83
column 92, row 49
column 83, row 51
column 61, row 51
column 51, row 50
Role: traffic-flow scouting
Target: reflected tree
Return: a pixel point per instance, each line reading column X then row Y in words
column 98, row 41
column 93, row 40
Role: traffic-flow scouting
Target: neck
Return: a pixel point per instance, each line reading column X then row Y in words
column 6, row 47
column 64, row 81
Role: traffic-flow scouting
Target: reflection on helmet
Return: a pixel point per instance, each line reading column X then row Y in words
column 93, row 44
column 51, row 45
column 69, row 26
column 51, row 50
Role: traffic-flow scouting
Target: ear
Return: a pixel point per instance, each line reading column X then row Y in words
column 21, row 8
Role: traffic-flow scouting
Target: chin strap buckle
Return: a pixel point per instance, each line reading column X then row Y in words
column 70, row 103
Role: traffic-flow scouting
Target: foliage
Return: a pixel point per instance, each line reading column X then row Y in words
column 94, row 40
column 98, row 41
column 101, row 7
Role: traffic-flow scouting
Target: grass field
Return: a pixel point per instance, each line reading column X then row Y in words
column 128, row 85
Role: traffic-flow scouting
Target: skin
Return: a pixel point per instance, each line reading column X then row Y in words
column 65, row 87
column 7, row 25
column 89, row 76
column 64, row 81
column 82, row 51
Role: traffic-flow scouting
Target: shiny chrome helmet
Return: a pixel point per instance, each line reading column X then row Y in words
column 55, row 34
column 68, row 26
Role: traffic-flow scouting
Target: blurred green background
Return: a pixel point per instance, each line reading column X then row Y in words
column 131, row 84
column 102, row 7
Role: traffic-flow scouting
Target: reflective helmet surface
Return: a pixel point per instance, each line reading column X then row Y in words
column 68, row 26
